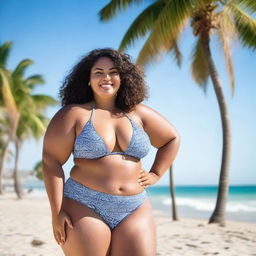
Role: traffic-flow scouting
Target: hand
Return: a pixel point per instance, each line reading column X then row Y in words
column 58, row 224
column 147, row 178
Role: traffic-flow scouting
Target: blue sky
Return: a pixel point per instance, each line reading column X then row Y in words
column 55, row 34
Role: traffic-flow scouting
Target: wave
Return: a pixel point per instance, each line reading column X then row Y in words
column 209, row 204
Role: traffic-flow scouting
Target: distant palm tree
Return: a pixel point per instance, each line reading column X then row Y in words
column 172, row 191
column 6, row 97
column 32, row 122
column 164, row 20
column 8, row 106
column 4, row 142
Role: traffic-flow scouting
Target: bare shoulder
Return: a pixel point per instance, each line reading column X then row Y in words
column 147, row 113
column 61, row 132
column 69, row 115
column 159, row 129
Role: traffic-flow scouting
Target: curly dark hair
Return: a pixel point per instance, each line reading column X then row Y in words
column 133, row 89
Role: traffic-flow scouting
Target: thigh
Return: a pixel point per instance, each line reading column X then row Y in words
column 136, row 234
column 90, row 235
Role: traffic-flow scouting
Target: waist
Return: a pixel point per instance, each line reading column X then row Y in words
column 75, row 185
column 116, row 181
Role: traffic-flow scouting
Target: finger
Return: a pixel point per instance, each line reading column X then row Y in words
column 142, row 184
column 142, row 175
column 57, row 237
column 141, row 171
column 69, row 222
column 143, row 179
column 145, row 183
column 62, row 237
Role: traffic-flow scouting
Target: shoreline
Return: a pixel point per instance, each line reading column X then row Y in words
column 27, row 222
column 184, row 211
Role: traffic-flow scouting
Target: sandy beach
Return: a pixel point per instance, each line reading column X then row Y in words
column 25, row 230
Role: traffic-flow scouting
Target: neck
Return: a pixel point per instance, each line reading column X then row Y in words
column 105, row 104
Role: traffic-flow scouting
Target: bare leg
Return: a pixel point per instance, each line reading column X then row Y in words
column 136, row 234
column 90, row 236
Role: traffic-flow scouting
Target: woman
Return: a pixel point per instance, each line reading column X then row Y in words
column 103, row 208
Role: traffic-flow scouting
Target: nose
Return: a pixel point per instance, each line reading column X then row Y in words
column 106, row 77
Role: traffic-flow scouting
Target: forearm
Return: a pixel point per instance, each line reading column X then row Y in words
column 54, row 183
column 165, row 157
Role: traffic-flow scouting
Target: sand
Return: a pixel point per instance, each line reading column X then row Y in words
column 25, row 230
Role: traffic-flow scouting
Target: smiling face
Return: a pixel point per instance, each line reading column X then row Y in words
column 104, row 78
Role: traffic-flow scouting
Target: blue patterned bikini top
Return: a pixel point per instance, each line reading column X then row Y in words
column 90, row 145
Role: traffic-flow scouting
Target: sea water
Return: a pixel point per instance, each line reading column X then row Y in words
column 191, row 201
column 200, row 201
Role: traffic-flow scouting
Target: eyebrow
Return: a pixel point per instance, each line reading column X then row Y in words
column 103, row 68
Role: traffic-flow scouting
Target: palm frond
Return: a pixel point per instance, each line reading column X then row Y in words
column 166, row 31
column 42, row 101
column 4, row 53
column 8, row 98
column 227, row 32
column 200, row 71
column 34, row 80
column 249, row 5
column 39, row 127
column 112, row 8
column 201, row 4
column 174, row 48
column 30, row 125
column 142, row 24
column 20, row 69
column 246, row 27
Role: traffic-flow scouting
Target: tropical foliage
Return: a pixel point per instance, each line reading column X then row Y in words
column 38, row 168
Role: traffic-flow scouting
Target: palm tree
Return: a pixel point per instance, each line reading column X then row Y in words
column 172, row 191
column 24, row 109
column 4, row 142
column 6, row 97
column 8, row 105
column 32, row 122
column 164, row 20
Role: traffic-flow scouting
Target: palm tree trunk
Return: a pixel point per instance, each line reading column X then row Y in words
column 17, row 185
column 218, row 215
column 172, row 190
column 2, row 158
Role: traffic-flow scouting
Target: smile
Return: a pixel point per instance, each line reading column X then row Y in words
column 106, row 85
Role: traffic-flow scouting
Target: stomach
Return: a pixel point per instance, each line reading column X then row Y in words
column 112, row 174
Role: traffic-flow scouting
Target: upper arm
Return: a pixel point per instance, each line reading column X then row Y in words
column 158, row 128
column 59, row 137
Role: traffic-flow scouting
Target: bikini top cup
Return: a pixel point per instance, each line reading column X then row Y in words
column 90, row 145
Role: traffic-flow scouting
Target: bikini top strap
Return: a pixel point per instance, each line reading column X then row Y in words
column 92, row 110
column 127, row 116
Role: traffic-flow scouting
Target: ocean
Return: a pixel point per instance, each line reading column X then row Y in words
column 199, row 201
column 191, row 201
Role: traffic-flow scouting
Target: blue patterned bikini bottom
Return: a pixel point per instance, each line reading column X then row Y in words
column 111, row 208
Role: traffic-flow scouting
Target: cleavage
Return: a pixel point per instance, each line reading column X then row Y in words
column 116, row 133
